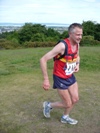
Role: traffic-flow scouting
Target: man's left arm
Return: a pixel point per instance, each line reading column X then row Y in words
column 77, row 64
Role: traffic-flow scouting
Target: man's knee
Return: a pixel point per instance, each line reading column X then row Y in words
column 68, row 104
column 75, row 100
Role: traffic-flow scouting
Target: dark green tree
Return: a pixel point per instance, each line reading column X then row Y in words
column 97, row 32
column 88, row 28
column 52, row 33
column 38, row 28
column 38, row 37
column 64, row 35
column 29, row 30
column 25, row 33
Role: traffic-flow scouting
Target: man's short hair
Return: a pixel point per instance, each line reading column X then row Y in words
column 72, row 26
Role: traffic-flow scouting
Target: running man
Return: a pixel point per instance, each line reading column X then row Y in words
column 66, row 63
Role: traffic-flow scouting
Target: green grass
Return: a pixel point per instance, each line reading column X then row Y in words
column 21, row 93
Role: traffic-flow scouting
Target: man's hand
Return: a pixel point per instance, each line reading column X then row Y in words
column 76, row 68
column 46, row 84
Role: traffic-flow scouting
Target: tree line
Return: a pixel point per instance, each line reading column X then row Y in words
column 37, row 35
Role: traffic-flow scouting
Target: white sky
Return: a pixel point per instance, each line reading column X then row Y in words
column 49, row 11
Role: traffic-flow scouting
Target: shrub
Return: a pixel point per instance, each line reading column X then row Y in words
column 6, row 44
column 39, row 44
column 89, row 41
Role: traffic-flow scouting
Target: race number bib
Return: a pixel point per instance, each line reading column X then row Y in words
column 70, row 68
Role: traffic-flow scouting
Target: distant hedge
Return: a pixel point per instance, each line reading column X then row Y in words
column 39, row 44
column 6, row 44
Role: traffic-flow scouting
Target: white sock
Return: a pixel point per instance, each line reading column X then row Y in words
column 49, row 105
column 65, row 116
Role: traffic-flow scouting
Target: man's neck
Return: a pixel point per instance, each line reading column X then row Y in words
column 73, row 43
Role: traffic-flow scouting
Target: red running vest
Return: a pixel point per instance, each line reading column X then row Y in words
column 65, row 66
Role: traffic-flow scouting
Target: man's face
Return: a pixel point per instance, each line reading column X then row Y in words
column 76, row 35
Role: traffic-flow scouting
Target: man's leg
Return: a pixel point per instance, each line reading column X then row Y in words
column 73, row 91
column 69, row 97
column 65, row 103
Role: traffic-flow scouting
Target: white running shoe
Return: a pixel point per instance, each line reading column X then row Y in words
column 69, row 120
column 46, row 109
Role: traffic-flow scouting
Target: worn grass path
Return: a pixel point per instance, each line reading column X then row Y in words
column 21, row 94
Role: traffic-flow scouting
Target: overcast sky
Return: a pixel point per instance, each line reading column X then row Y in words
column 49, row 11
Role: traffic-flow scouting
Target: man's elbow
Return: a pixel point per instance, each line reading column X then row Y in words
column 42, row 60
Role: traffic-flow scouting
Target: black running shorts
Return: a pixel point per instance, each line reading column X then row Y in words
column 60, row 83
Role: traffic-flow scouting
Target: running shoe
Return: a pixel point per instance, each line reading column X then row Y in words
column 69, row 120
column 46, row 109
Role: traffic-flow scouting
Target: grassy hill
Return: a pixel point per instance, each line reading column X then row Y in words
column 21, row 93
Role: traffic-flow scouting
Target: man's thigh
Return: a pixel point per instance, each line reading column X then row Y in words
column 73, row 91
column 65, row 97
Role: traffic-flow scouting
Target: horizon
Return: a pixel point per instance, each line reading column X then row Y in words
column 21, row 24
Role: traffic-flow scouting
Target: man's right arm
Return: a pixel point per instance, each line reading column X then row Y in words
column 43, row 62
